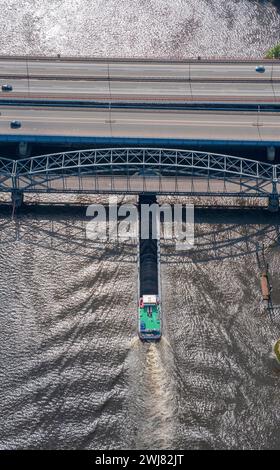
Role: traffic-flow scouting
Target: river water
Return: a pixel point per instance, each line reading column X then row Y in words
column 137, row 28
column 73, row 372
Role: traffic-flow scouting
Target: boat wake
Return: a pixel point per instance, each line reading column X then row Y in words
column 154, row 396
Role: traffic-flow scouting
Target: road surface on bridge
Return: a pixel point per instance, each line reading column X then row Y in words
column 246, row 126
column 130, row 69
column 133, row 80
column 146, row 91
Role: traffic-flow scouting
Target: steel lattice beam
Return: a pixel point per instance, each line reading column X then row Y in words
column 31, row 173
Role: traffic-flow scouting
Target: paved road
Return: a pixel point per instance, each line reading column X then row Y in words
column 181, row 91
column 126, row 70
column 130, row 80
column 142, row 124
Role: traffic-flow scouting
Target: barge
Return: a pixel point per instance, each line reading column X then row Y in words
column 149, row 304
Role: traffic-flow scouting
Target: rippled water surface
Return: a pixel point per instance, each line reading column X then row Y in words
column 73, row 373
column 130, row 28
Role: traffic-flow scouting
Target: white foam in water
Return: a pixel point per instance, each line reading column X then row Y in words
column 130, row 28
column 154, row 402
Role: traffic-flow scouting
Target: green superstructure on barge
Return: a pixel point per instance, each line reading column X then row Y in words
column 149, row 318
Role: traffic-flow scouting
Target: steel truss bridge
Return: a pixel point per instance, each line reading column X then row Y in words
column 140, row 170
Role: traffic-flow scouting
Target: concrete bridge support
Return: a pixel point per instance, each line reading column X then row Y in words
column 17, row 199
column 273, row 199
column 273, row 203
column 270, row 153
column 24, row 149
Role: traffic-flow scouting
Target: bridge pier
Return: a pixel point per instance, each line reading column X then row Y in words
column 270, row 153
column 17, row 199
column 273, row 203
column 24, row 149
column 273, row 199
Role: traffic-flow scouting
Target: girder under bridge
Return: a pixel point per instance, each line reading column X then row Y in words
column 141, row 170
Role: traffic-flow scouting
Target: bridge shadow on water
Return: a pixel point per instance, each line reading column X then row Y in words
column 220, row 233
column 60, row 228
column 226, row 233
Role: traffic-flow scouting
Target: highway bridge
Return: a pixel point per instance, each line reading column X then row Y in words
column 59, row 100
column 36, row 81
column 138, row 127
column 140, row 171
column 132, row 80
column 48, row 95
